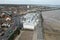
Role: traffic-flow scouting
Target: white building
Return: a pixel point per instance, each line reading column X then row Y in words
column 31, row 20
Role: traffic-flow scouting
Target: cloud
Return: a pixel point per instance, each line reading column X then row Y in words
column 52, row 2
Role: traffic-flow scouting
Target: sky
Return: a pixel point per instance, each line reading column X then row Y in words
column 51, row 2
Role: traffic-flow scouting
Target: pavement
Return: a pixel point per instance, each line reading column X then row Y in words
column 25, row 35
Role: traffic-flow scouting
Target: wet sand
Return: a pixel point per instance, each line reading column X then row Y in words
column 52, row 25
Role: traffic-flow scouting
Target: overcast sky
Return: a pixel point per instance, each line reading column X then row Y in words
column 51, row 2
